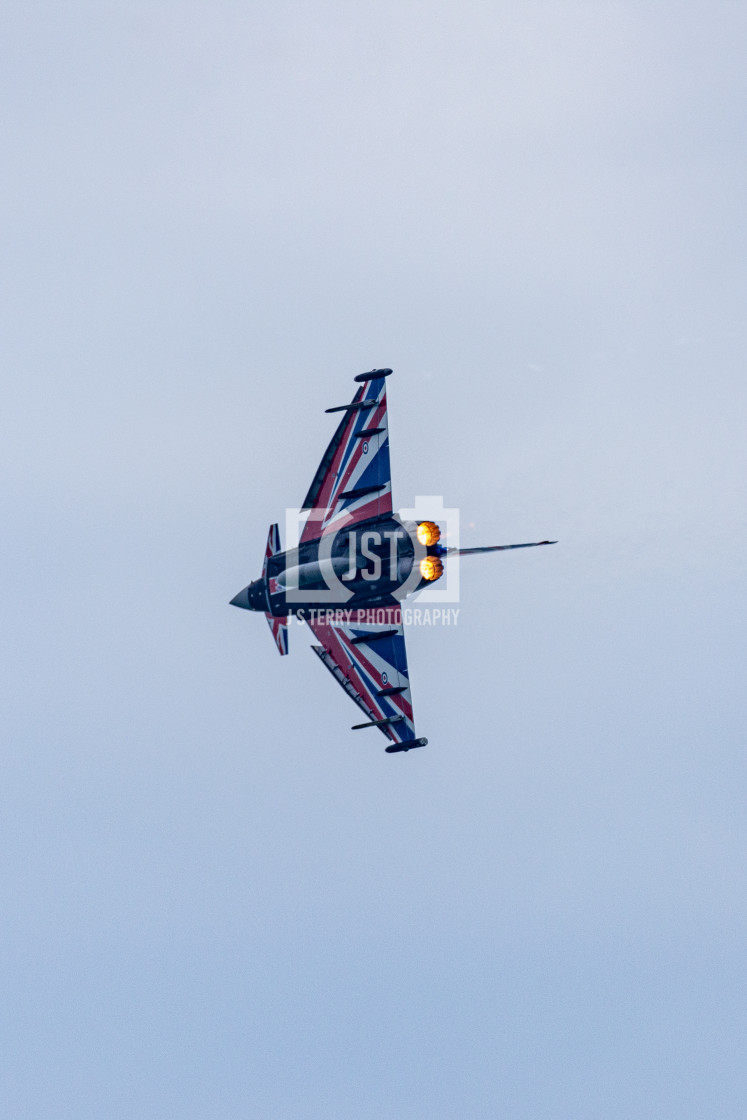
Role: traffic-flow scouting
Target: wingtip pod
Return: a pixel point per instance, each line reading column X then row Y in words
column 372, row 375
column 407, row 745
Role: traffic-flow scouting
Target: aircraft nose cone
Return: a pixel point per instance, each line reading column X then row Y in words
column 242, row 600
column 252, row 598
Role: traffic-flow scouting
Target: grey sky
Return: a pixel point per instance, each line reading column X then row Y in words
column 218, row 901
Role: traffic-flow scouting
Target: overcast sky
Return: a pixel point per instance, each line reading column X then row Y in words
column 219, row 902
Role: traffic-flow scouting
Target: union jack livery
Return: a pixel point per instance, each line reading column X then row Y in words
column 355, row 562
column 354, row 482
column 368, row 658
column 279, row 626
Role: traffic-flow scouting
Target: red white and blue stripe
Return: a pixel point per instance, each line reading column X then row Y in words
column 278, row 626
column 372, row 672
column 353, row 482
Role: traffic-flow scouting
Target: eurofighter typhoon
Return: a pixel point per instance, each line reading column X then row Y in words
column 354, row 565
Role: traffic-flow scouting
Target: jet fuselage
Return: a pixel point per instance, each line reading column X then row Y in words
column 363, row 566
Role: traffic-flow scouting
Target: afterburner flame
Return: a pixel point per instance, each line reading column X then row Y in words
column 428, row 533
column 431, row 567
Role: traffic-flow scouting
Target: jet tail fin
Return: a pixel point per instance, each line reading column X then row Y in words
column 497, row 548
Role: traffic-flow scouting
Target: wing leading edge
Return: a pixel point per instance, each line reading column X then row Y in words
column 353, row 481
column 367, row 657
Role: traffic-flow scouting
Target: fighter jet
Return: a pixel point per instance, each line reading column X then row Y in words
column 355, row 562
